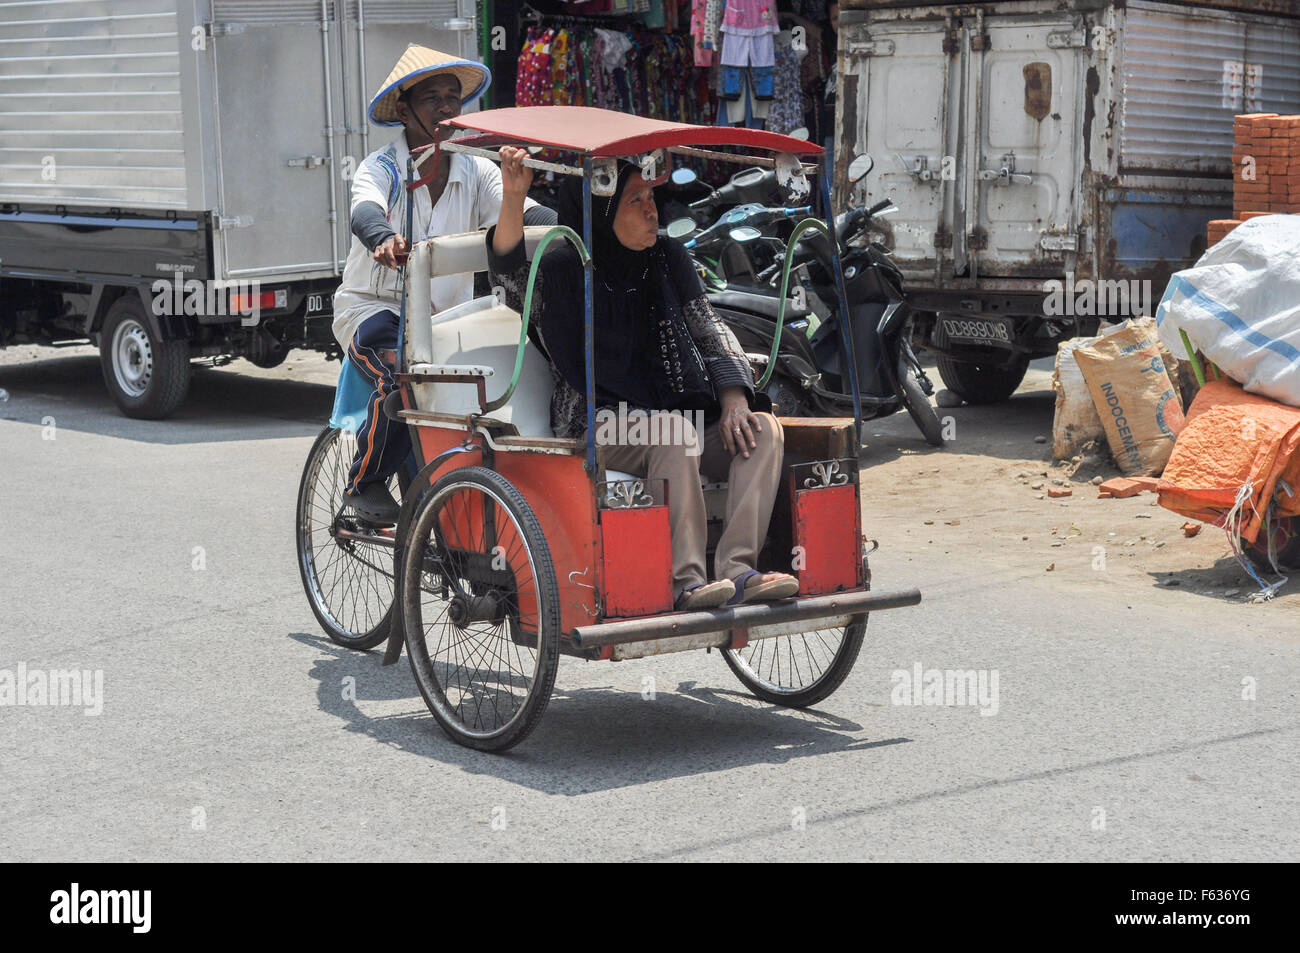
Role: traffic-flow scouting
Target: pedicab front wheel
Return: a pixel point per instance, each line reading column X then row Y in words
column 800, row 669
column 346, row 565
column 480, row 608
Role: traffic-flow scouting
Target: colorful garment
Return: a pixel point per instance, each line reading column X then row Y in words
column 786, row 113
column 703, row 53
column 749, row 17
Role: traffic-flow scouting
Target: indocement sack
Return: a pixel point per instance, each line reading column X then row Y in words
column 1240, row 306
column 1134, row 397
column 1076, row 421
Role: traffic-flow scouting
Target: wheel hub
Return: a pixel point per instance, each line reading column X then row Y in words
column 132, row 358
column 466, row 609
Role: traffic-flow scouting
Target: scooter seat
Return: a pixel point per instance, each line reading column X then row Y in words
column 766, row 305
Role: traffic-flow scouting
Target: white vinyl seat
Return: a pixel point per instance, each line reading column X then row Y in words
column 479, row 338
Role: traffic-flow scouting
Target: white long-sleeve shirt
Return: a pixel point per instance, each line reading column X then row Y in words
column 471, row 200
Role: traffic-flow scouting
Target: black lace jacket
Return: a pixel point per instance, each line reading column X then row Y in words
column 559, row 284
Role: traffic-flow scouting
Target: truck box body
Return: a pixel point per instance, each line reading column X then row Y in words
column 1026, row 140
column 213, row 135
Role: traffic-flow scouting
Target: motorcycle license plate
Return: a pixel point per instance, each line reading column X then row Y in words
column 991, row 332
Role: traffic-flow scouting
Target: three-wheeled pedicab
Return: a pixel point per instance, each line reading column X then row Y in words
column 515, row 547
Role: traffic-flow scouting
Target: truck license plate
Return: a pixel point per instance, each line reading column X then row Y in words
column 994, row 332
column 319, row 305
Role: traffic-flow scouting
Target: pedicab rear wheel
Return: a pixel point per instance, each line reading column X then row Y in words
column 801, row 669
column 348, row 581
column 481, row 609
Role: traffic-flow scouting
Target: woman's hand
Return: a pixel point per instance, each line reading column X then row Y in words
column 737, row 426
column 516, row 178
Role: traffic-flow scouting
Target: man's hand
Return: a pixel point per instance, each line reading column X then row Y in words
column 737, row 426
column 392, row 252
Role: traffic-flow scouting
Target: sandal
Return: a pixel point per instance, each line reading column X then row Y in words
column 782, row 587
column 707, row 595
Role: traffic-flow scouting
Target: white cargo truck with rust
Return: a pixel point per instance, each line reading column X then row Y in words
column 1053, row 161
column 142, row 141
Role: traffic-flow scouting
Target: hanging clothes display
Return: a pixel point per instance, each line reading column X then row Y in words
column 576, row 62
column 748, row 58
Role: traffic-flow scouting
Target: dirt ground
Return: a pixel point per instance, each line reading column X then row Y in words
column 985, row 493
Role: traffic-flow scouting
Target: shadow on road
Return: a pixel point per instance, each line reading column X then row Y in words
column 593, row 739
column 223, row 404
column 1217, row 581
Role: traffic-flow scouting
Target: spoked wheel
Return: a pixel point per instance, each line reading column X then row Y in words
column 801, row 669
column 346, row 563
column 481, row 609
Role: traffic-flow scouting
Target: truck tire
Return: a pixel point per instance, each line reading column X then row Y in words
column 147, row 376
column 982, row 383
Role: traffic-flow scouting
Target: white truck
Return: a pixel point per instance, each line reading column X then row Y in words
column 1053, row 161
column 210, row 141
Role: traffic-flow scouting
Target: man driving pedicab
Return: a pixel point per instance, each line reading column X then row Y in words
column 464, row 194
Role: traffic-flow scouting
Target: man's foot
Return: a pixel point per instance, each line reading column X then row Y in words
column 708, row 595
column 373, row 504
column 754, row 586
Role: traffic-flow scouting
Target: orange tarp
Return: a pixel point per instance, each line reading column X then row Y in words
column 1232, row 437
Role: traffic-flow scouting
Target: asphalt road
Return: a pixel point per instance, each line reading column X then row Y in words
column 162, row 554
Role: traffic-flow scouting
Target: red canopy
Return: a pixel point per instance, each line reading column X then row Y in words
column 604, row 132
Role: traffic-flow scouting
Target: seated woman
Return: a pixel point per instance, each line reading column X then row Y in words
column 659, row 347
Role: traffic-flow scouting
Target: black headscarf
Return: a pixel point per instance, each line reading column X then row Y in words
column 610, row 255
column 644, row 351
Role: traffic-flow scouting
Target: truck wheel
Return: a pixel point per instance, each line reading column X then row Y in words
column 982, row 383
column 147, row 377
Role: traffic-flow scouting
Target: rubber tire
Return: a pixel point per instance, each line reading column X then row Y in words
column 918, row 405
column 170, row 380
column 345, row 637
column 830, row 680
column 548, row 648
column 980, row 383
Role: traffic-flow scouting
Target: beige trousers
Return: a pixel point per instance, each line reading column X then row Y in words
column 751, row 492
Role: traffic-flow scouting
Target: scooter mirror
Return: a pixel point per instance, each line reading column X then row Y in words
column 748, row 177
column 744, row 233
column 859, row 168
column 800, row 133
column 684, row 176
column 680, row 228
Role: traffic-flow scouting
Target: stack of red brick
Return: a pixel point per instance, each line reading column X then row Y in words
column 1265, row 170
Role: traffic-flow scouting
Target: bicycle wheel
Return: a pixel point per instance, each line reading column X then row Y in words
column 801, row 669
column 481, row 609
column 345, row 563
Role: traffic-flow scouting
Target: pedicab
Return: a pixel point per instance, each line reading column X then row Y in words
column 515, row 547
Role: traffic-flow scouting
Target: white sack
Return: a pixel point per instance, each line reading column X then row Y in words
column 1240, row 306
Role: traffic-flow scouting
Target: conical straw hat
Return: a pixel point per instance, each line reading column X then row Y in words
column 419, row 63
